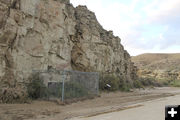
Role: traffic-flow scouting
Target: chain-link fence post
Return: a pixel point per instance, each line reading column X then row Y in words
column 98, row 83
column 62, row 97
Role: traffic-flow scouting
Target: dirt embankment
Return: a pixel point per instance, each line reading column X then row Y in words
column 42, row 110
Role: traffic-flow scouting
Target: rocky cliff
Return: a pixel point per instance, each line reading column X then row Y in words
column 38, row 34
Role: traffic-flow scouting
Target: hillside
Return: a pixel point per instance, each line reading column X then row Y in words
column 161, row 67
column 158, row 61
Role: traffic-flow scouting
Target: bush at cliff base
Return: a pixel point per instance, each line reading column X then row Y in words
column 36, row 89
column 111, row 80
column 13, row 95
column 116, row 83
column 149, row 81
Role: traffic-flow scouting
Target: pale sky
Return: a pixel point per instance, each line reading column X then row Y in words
column 144, row 26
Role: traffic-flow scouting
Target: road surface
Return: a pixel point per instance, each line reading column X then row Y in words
column 151, row 110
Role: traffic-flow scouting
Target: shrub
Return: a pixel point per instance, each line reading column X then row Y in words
column 149, row 81
column 13, row 95
column 125, row 87
column 138, row 84
column 175, row 83
column 110, row 79
column 36, row 89
column 116, row 83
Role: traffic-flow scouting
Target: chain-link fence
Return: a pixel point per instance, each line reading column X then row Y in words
column 66, row 85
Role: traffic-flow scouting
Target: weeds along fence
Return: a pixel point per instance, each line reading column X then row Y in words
column 66, row 85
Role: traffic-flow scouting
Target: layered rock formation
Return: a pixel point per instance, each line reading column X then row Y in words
column 38, row 34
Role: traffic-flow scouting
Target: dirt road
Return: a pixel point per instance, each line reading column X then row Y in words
column 152, row 110
column 107, row 103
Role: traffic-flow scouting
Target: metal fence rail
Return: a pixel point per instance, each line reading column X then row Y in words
column 67, row 85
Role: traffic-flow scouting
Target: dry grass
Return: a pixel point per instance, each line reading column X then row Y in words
column 158, row 61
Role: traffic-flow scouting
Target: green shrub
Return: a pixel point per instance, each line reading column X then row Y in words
column 116, row 83
column 110, row 79
column 36, row 89
column 175, row 83
column 125, row 87
column 138, row 84
column 150, row 81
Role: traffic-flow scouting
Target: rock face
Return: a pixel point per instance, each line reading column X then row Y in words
column 96, row 49
column 38, row 34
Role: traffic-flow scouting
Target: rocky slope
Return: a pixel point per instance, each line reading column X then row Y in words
column 38, row 34
column 161, row 67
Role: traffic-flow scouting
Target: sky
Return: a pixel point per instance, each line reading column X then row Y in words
column 144, row 26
